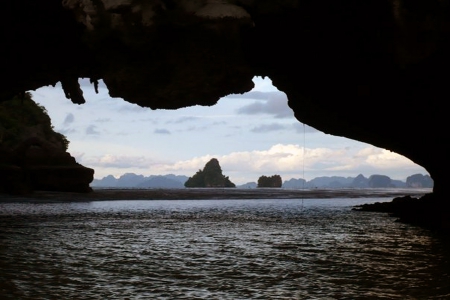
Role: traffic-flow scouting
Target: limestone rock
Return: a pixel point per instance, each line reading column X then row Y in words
column 210, row 176
column 379, row 181
column 33, row 156
column 419, row 181
column 221, row 9
column 273, row 181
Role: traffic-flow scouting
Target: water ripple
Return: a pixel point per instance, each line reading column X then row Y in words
column 249, row 249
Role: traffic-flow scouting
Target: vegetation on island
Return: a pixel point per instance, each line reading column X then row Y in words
column 22, row 118
column 210, row 176
column 273, row 181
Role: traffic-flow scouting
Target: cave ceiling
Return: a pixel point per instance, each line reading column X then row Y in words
column 374, row 71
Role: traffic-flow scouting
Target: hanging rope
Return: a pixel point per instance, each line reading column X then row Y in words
column 304, row 133
column 303, row 162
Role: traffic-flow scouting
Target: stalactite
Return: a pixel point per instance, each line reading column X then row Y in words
column 95, row 82
column 72, row 90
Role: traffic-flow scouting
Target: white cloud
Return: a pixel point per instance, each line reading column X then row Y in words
column 119, row 161
column 263, row 84
column 289, row 161
column 385, row 159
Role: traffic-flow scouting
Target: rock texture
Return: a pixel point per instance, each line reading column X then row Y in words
column 424, row 211
column 210, row 177
column 273, row 181
column 374, row 71
column 40, row 167
column 32, row 156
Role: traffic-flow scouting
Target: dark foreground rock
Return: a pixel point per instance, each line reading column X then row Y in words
column 426, row 211
column 32, row 155
column 37, row 166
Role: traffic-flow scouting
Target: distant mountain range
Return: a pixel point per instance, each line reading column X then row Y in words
column 374, row 181
column 131, row 180
column 171, row 181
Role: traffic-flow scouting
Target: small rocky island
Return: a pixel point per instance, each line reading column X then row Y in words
column 273, row 181
column 210, row 176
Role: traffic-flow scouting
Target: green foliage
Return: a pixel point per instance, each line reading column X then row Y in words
column 272, row 181
column 210, row 176
column 65, row 142
column 20, row 117
column 198, row 180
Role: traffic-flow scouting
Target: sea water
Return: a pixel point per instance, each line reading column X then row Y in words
column 217, row 249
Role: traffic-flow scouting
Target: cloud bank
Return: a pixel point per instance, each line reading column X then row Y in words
column 289, row 161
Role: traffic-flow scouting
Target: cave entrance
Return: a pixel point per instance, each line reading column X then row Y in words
column 252, row 134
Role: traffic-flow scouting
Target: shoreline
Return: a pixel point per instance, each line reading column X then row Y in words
column 109, row 194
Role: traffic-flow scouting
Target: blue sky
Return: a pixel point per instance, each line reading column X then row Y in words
column 252, row 134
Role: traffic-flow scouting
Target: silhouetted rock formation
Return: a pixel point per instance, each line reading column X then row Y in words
column 424, row 211
column 374, row 181
column 130, row 180
column 419, row 181
column 379, row 181
column 33, row 156
column 330, row 182
column 360, row 182
column 295, row 183
column 387, row 60
column 273, row 181
column 161, row 182
column 210, row 176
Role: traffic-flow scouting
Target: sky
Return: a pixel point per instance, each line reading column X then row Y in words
column 251, row 135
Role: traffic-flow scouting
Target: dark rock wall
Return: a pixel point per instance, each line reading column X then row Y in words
column 373, row 71
column 32, row 155
column 34, row 165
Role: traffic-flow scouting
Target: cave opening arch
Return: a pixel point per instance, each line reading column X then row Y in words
column 252, row 134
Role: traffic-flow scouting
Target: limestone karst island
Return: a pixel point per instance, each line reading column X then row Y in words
column 210, row 176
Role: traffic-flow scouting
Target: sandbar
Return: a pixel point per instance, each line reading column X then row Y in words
column 104, row 194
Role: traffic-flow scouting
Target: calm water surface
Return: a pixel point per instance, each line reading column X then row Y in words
column 216, row 249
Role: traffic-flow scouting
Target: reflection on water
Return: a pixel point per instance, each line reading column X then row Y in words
column 222, row 249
